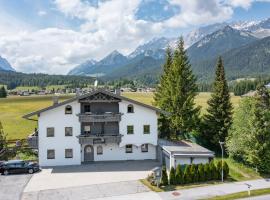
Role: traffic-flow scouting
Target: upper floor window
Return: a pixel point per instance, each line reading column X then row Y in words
column 130, row 129
column 130, row 108
column 68, row 109
column 129, row 148
column 99, row 150
column 50, row 132
column 87, row 108
column 144, row 148
column 146, row 129
column 68, row 131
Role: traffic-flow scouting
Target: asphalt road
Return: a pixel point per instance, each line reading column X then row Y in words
column 12, row 186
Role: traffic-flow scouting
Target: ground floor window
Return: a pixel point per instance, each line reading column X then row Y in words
column 144, row 147
column 99, row 150
column 128, row 148
column 50, row 154
column 68, row 153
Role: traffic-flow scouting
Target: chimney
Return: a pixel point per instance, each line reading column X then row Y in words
column 55, row 100
column 117, row 91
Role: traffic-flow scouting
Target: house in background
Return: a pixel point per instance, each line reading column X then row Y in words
column 99, row 126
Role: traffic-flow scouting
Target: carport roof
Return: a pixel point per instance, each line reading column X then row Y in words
column 183, row 147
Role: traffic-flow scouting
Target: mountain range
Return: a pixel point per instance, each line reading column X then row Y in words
column 233, row 41
column 4, row 65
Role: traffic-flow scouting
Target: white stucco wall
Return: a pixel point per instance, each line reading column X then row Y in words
column 200, row 160
column 59, row 120
column 141, row 116
column 112, row 152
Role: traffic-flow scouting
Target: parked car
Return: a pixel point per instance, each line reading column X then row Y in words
column 18, row 166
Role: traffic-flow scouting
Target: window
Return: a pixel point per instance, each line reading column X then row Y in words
column 50, row 132
column 68, row 153
column 68, row 109
column 99, row 150
column 130, row 109
column 146, row 129
column 130, row 129
column 144, row 147
column 129, row 148
column 87, row 108
column 87, row 129
column 68, row 131
column 50, row 154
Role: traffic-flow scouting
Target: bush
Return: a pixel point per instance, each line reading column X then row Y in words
column 207, row 172
column 187, row 175
column 193, row 173
column 213, row 170
column 226, row 169
column 172, row 177
column 164, row 176
column 219, row 168
column 201, row 174
column 179, row 175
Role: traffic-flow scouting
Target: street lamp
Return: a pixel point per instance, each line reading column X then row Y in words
column 221, row 146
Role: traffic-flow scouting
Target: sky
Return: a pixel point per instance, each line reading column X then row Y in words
column 53, row 36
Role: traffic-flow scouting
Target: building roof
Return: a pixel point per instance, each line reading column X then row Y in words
column 99, row 90
column 184, row 147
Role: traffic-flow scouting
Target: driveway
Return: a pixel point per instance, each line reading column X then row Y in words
column 12, row 186
column 89, row 174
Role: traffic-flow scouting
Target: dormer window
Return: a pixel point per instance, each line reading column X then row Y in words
column 130, row 108
column 68, row 109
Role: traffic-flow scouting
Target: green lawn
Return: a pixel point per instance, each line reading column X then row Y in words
column 13, row 108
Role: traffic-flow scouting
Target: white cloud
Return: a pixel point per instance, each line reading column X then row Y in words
column 109, row 26
column 246, row 4
column 42, row 13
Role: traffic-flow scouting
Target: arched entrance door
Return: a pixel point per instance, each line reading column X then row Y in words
column 88, row 153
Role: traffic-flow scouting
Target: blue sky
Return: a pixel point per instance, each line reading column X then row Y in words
column 52, row 36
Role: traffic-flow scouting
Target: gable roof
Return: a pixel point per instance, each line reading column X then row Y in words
column 90, row 94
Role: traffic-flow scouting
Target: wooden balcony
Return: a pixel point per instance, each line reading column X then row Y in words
column 32, row 140
column 99, row 139
column 105, row 117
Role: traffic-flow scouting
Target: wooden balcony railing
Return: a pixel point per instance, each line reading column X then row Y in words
column 105, row 117
column 99, row 139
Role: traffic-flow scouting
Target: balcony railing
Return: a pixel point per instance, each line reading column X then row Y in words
column 99, row 139
column 104, row 117
column 32, row 140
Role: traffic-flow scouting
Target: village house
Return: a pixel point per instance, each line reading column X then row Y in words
column 105, row 126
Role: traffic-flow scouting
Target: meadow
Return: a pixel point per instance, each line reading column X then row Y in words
column 14, row 107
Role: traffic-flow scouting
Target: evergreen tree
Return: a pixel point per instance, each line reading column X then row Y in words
column 226, row 170
column 179, row 175
column 187, row 177
column 218, row 119
column 162, row 96
column 219, row 169
column 207, row 172
column 3, row 92
column 213, row 170
column 3, row 142
column 164, row 176
column 178, row 86
column 172, row 176
column 201, row 174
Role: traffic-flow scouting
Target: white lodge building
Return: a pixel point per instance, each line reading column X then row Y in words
column 98, row 126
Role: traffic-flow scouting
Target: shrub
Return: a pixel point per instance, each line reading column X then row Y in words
column 179, row 175
column 207, row 172
column 219, row 168
column 164, row 176
column 213, row 170
column 193, row 173
column 201, row 174
column 172, row 177
column 187, row 176
column 226, row 169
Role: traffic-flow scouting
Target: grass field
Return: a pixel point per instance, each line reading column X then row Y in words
column 13, row 108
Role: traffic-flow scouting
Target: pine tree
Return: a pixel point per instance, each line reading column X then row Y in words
column 3, row 92
column 218, row 119
column 172, row 177
column 162, row 96
column 213, row 170
column 179, row 92
column 226, row 170
column 207, row 172
column 179, row 175
column 164, row 176
column 201, row 174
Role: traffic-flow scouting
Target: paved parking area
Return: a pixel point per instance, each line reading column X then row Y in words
column 100, row 191
column 89, row 174
column 11, row 186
